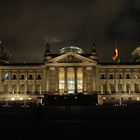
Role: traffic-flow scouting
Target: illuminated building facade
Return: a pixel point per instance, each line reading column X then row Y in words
column 72, row 72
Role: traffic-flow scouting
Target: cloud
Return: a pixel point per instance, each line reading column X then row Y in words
column 29, row 23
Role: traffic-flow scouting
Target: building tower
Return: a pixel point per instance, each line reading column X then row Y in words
column 135, row 55
column 4, row 55
column 47, row 54
column 94, row 55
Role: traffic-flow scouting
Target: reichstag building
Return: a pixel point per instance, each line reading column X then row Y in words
column 71, row 72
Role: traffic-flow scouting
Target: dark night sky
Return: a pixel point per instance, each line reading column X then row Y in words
column 27, row 25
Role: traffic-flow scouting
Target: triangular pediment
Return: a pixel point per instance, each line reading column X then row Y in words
column 71, row 58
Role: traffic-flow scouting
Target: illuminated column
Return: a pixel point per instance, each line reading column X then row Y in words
column 75, row 75
column 80, row 85
column 10, row 83
column 47, row 80
column 82, row 70
column 57, row 80
column 43, row 79
column 132, row 82
column 26, row 82
column 116, row 80
column 97, row 80
column 124, row 84
column 94, row 79
column 34, row 82
column 66, row 84
column 18, row 82
column 84, row 80
column 107, row 79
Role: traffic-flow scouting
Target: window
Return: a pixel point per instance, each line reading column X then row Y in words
column 14, row 77
column 127, row 76
column 102, row 76
column 136, row 88
column 128, row 88
column 38, row 76
column 120, row 76
column 111, row 76
column 30, row 77
column 21, row 76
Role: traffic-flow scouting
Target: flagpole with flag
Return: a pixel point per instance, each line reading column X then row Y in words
column 116, row 59
column 115, row 55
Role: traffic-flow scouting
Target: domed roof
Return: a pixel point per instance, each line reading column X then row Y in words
column 71, row 49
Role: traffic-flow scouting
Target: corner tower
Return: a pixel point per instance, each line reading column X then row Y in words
column 47, row 53
column 94, row 55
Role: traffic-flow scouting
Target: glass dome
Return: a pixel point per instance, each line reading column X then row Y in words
column 71, row 49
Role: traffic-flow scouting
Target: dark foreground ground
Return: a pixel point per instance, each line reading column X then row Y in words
column 75, row 122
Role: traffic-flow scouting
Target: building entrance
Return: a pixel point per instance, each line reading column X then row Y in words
column 70, row 81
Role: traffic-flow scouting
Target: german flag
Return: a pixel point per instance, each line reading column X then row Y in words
column 116, row 52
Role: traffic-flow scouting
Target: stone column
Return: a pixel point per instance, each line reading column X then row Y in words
column 107, row 79
column 132, row 82
column 116, row 80
column 57, row 80
column 10, row 82
column 119, row 84
column 94, row 79
column 47, row 80
column 124, row 84
column 84, row 80
column 75, row 75
column 65, row 78
column 44, row 75
column 82, row 70
column 18, row 73
column 97, row 80
column 26, row 82
column 34, row 82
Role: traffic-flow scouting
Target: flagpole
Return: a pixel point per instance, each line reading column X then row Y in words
column 116, row 59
